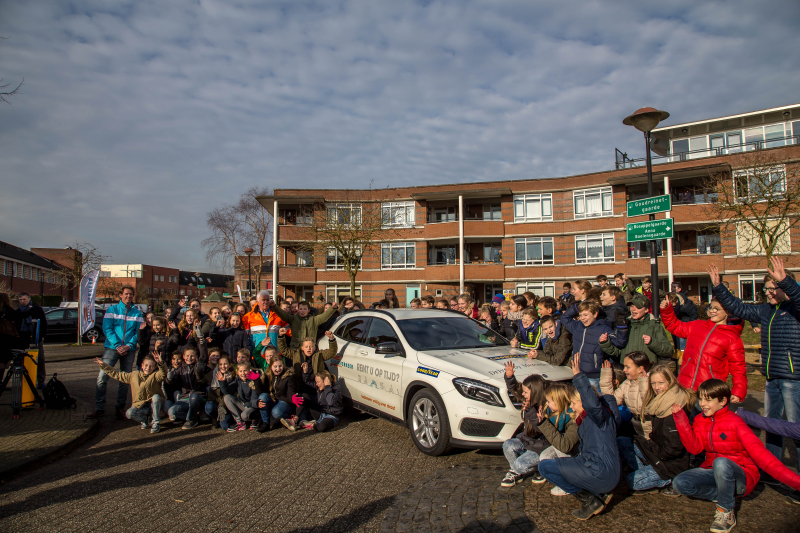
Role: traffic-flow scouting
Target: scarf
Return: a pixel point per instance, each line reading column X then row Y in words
column 26, row 322
column 661, row 406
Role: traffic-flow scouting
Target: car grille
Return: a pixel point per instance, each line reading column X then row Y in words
column 475, row 427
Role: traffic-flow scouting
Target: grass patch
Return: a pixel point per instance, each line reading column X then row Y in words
column 755, row 382
column 749, row 336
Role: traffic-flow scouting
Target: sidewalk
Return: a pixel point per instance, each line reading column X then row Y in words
column 56, row 353
column 39, row 437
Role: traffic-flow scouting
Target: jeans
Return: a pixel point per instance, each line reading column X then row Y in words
column 275, row 409
column 781, row 397
column 110, row 357
column 723, row 482
column 186, row 408
column 142, row 414
column 212, row 410
column 644, row 475
column 549, row 470
column 520, row 460
column 240, row 411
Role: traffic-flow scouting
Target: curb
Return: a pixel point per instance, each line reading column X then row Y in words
column 34, row 463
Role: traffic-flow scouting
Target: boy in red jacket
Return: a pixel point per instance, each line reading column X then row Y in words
column 733, row 455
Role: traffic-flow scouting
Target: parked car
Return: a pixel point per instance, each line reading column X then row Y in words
column 62, row 324
column 438, row 372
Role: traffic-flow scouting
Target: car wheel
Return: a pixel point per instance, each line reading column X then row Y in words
column 91, row 333
column 428, row 423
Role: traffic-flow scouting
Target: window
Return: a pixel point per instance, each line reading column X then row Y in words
column 709, row 243
column 149, row 290
column 751, row 286
column 304, row 258
column 445, row 214
column 443, row 255
column 598, row 248
column 398, row 255
column 381, row 331
column 539, row 288
column 492, row 212
column 398, row 214
column 593, row 203
column 640, row 249
column 335, row 293
column 344, row 215
column 56, row 314
column 492, row 253
column 353, row 330
column 533, row 207
column 760, row 183
column 335, row 261
column 534, row 251
column 748, row 241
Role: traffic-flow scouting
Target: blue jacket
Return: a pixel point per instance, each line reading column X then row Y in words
column 121, row 326
column 532, row 337
column 780, row 329
column 777, row 426
column 586, row 341
column 596, row 468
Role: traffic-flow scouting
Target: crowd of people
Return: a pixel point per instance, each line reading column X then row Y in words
column 651, row 399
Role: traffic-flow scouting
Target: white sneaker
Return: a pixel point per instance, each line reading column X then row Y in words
column 558, row 491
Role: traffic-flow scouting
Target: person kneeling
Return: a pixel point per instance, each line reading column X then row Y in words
column 145, row 389
column 327, row 407
column 247, row 386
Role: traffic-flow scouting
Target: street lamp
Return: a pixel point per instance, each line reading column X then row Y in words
column 645, row 120
column 249, row 252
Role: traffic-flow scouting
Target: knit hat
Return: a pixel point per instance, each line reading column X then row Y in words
column 498, row 299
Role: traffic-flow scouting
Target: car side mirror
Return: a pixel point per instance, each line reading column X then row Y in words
column 388, row 349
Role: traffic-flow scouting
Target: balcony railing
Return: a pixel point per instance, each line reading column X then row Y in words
column 300, row 264
column 623, row 161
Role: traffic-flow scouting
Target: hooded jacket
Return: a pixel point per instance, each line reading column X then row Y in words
column 712, row 351
column 660, row 346
column 780, row 329
column 558, row 350
column 190, row 378
column 302, row 327
column 586, row 341
column 726, row 435
column 614, row 310
column 280, row 388
column 121, row 326
column 143, row 386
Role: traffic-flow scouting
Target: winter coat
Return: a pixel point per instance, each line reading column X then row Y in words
column 614, row 310
column 726, row 435
column 780, row 329
column 232, row 340
column 121, row 326
column 147, row 339
column 777, row 426
column 303, row 327
column 596, row 468
column 261, row 326
column 685, row 309
column 214, row 389
column 143, row 387
column 508, row 327
column 660, row 346
column 558, row 350
column 297, row 357
column 529, row 338
column 722, row 352
column 191, row 379
column 586, row 341
column 662, row 446
column 280, row 388
column 628, row 291
column 630, row 393
column 329, row 398
column 246, row 390
column 33, row 312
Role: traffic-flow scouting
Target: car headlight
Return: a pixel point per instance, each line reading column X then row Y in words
column 477, row 390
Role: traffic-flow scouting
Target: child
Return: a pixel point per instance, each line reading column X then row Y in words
column 243, row 356
column 247, row 386
column 215, row 406
column 529, row 332
column 586, row 334
column 528, row 448
column 427, row 302
column 327, row 407
column 595, row 471
column 557, row 343
column 632, row 391
column 508, row 327
column 733, row 455
column 657, row 456
column 416, row 303
column 190, row 376
column 441, row 303
column 278, row 396
column 145, row 390
column 171, row 391
column 152, row 339
column 487, row 317
column 233, row 338
column 547, row 306
column 308, row 352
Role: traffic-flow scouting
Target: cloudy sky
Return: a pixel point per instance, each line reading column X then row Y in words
column 137, row 118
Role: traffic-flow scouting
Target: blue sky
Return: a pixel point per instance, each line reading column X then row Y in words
column 137, row 118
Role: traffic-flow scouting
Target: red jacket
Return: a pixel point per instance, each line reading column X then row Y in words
column 723, row 353
column 726, row 435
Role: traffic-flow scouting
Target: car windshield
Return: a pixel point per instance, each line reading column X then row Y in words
column 444, row 333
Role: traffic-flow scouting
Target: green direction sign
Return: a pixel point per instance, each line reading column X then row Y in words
column 649, row 206
column 650, row 230
column 201, row 286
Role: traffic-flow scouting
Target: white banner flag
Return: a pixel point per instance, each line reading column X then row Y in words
column 239, row 289
column 88, row 292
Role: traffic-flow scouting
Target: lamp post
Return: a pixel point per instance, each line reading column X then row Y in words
column 249, row 252
column 644, row 120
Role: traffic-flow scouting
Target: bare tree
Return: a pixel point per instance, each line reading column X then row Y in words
column 757, row 204
column 342, row 233
column 8, row 93
column 236, row 227
column 83, row 259
column 108, row 287
column 140, row 295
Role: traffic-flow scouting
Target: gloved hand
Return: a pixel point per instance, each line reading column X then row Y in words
column 252, row 375
column 622, row 322
column 297, row 400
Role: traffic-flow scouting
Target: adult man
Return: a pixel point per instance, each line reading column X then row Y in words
column 303, row 324
column 23, row 319
column 780, row 335
column 263, row 324
column 625, row 285
column 646, row 334
column 121, row 325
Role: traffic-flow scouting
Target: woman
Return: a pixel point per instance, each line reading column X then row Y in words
column 8, row 331
column 714, row 349
column 580, row 290
column 467, row 306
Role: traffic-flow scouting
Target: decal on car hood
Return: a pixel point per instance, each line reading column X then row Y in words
column 483, row 363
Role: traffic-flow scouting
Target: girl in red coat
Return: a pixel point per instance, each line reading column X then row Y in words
column 713, row 349
column 733, row 455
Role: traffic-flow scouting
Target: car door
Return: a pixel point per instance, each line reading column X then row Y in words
column 351, row 335
column 380, row 376
column 55, row 323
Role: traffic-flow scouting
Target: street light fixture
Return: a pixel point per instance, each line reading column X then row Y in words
column 645, row 120
column 249, row 252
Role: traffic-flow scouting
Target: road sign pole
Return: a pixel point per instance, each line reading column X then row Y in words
column 653, row 251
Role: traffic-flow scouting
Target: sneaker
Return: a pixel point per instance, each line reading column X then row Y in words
column 253, row 425
column 670, row 491
column 723, row 521
column 95, row 415
column 155, row 429
column 306, row 424
column 643, row 492
column 119, row 413
column 233, row 429
column 537, row 478
column 241, row 426
column 511, row 478
column 558, row 491
column 145, row 425
column 289, row 424
column 263, row 427
column 793, row 497
column 189, row 424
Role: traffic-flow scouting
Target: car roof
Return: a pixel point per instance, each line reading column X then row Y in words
column 402, row 314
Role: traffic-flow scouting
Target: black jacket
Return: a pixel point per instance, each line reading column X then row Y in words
column 664, row 451
column 232, row 340
column 147, row 344
column 329, row 399
column 247, row 394
column 33, row 312
column 280, row 388
column 616, row 309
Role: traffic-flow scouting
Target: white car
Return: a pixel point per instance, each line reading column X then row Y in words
column 436, row 371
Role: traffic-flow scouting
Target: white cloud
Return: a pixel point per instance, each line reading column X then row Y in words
column 154, row 112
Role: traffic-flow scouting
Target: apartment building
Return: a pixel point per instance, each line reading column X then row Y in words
column 536, row 234
column 32, row 271
column 159, row 283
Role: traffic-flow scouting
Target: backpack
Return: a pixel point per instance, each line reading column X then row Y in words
column 56, row 395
